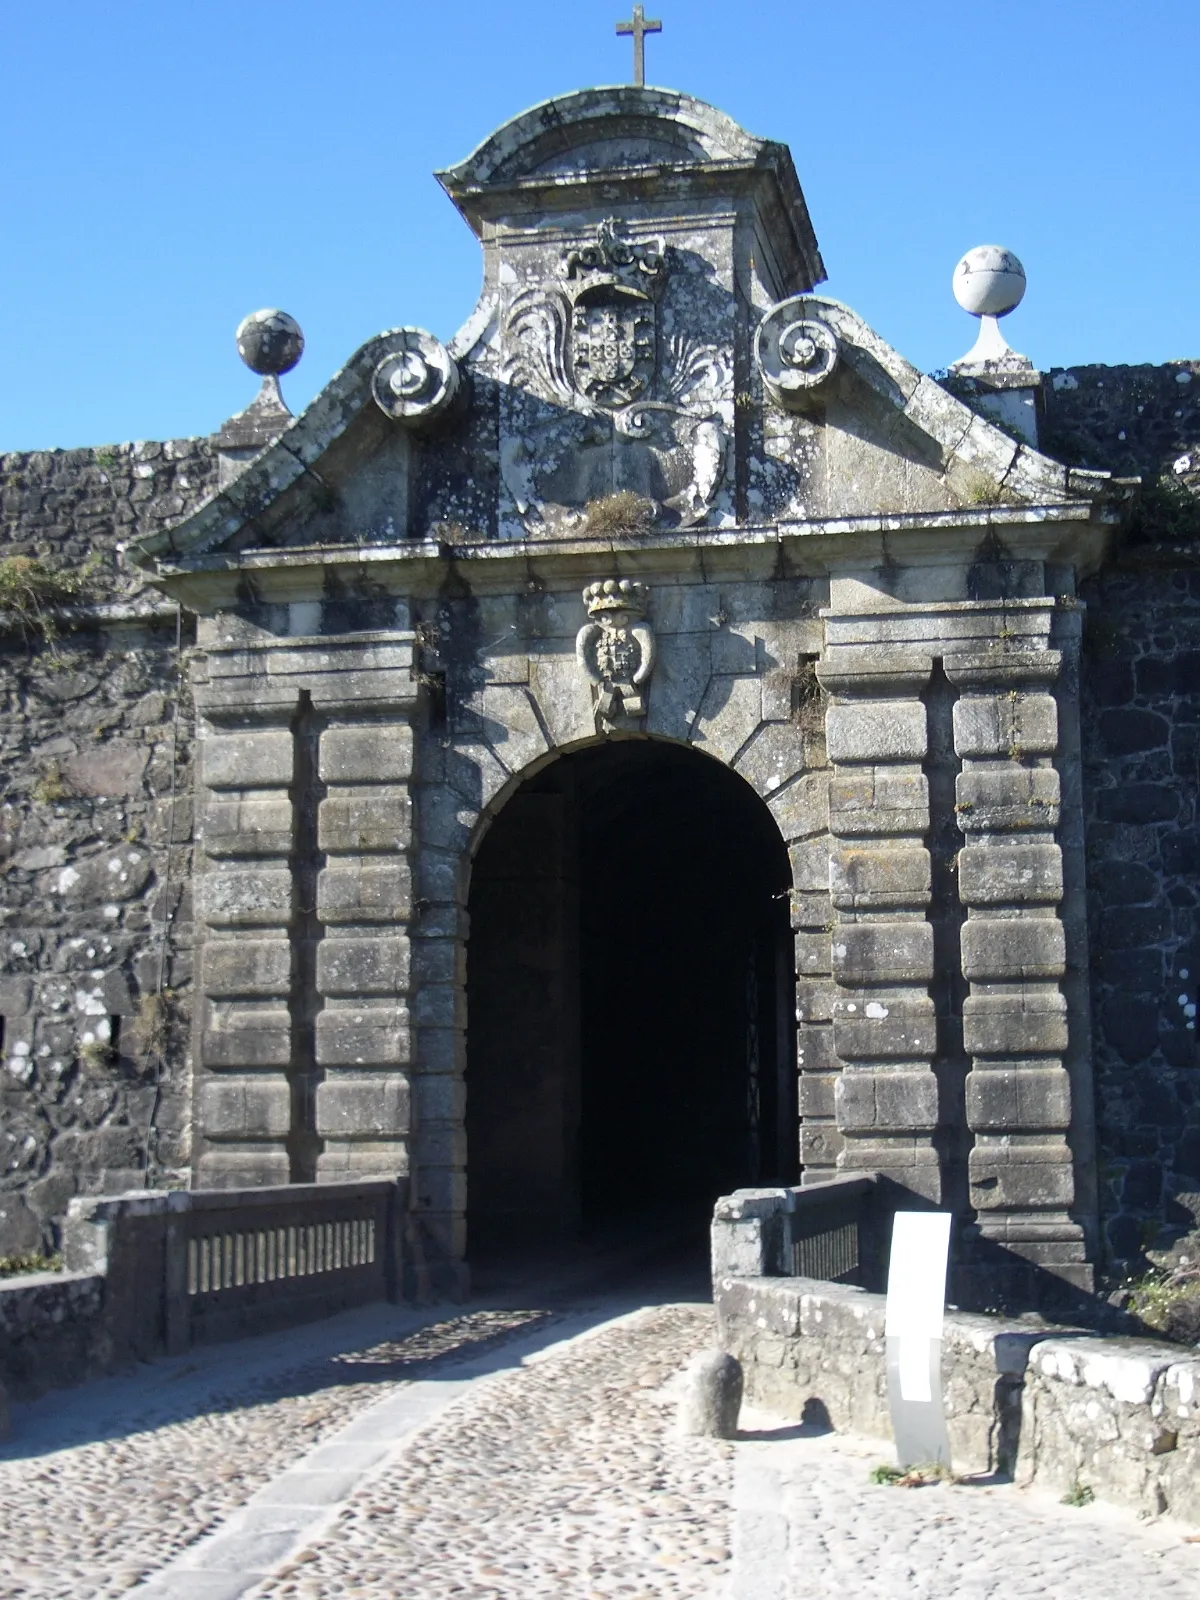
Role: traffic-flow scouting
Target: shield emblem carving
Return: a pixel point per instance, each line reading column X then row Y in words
column 613, row 347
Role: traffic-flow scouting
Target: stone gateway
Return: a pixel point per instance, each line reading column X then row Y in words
column 638, row 751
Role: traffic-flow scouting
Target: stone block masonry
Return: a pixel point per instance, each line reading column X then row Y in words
column 1018, row 1095
column 95, row 1081
column 1049, row 1406
column 882, row 942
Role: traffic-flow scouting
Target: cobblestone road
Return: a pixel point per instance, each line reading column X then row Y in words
column 560, row 1474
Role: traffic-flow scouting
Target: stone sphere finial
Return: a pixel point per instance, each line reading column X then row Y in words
column 270, row 342
column 989, row 281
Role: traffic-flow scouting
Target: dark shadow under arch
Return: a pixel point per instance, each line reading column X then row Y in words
column 630, row 1039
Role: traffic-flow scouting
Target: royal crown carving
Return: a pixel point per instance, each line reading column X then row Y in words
column 616, row 650
column 612, row 259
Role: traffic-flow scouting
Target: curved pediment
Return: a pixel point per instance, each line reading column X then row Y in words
column 603, row 129
column 645, row 146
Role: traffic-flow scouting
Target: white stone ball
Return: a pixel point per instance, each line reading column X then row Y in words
column 989, row 281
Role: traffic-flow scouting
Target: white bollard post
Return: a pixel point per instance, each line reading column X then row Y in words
column 916, row 1304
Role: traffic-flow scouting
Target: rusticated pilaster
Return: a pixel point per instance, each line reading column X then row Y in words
column 1010, row 881
column 244, row 1092
column 884, row 1029
column 364, row 903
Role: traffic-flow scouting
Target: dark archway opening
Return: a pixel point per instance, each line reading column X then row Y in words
column 631, row 1043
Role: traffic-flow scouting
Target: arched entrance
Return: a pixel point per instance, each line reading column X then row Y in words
column 630, row 1042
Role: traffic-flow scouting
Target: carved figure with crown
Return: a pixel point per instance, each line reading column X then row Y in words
column 616, row 649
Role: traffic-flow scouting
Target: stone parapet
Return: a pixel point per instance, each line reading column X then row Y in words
column 1049, row 1406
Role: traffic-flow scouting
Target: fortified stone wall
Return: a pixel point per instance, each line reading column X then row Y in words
column 95, row 915
column 1141, row 741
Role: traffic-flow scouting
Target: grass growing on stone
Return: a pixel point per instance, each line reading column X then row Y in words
column 1079, row 1494
column 95, row 1054
column 1167, row 1300
column 1164, row 511
column 29, row 1261
column 808, row 699
column 618, row 516
column 33, row 590
column 52, row 786
column 918, row 1477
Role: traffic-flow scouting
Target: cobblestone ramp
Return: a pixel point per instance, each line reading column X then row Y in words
column 546, row 1465
column 563, row 1478
column 92, row 1520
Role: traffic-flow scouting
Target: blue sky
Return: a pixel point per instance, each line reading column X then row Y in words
column 170, row 167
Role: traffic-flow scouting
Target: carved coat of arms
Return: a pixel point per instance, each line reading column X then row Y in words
column 598, row 398
column 613, row 342
column 616, row 649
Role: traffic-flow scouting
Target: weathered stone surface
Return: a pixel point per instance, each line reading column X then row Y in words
column 882, row 952
column 246, row 897
column 248, row 828
column 261, row 1040
column 892, row 1099
column 889, row 730
column 376, row 1036
column 259, row 758
column 1008, row 799
column 1010, row 724
column 885, row 1027
column 712, row 1396
column 116, row 768
column 1019, row 1099
column 246, row 1108
column 1018, row 1022
column 365, row 822
column 362, row 966
column 802, row 807
column 365, row 891
column 864, row 878
column 995, row 949
column 878, row 800
column 247, row 967
column 1056, row 1407
column 1012, row 1176
column 1010, row 874
column 374, row 1106
column 376, row 754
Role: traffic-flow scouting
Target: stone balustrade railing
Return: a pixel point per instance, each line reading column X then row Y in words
column 153, row 1273
column 836, row 1230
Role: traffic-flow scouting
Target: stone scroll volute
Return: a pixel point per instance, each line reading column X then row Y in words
column 418, row 382
column 797, row 354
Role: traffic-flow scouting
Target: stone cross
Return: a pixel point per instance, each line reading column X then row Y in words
column 639, row 28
